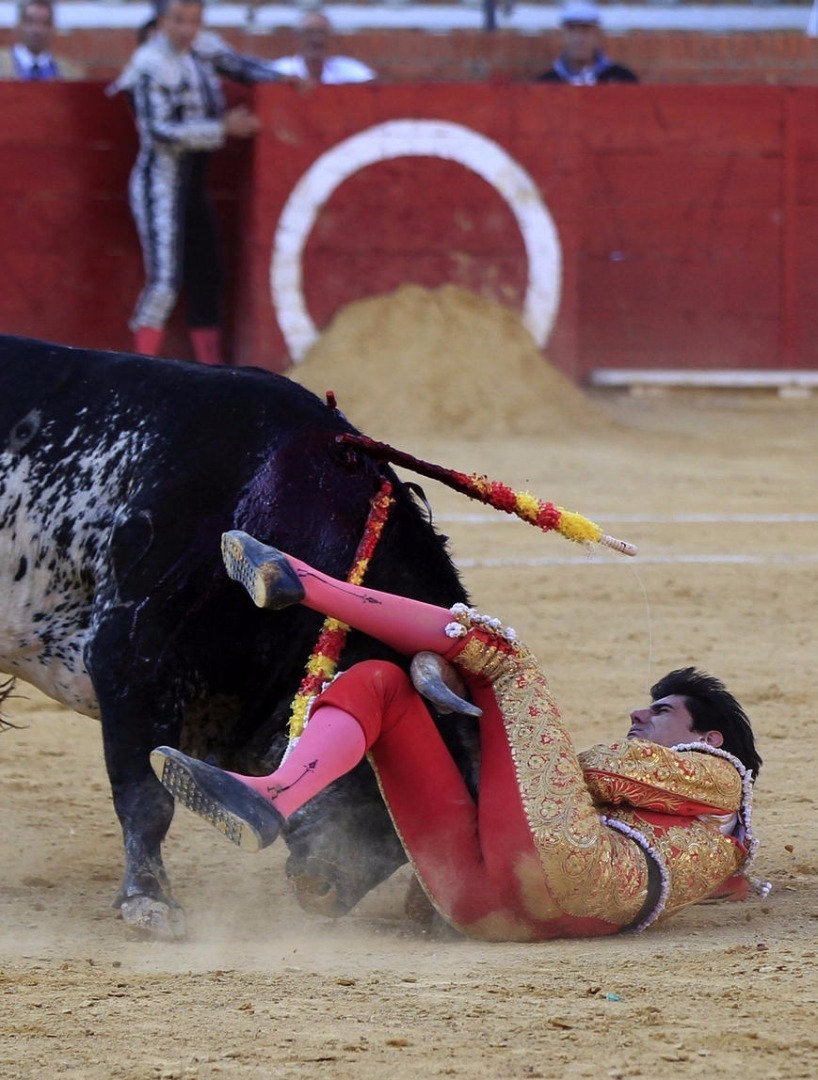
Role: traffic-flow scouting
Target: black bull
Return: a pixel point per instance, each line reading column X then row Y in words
column 118, row 475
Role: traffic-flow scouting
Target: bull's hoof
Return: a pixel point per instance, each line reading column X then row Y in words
column 418, row 906
column 154, row 919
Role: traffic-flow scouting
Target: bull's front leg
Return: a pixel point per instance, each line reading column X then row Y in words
column 135, row 718
column 144, row 898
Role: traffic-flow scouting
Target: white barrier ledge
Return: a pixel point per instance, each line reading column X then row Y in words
column 730, row 380
column 525, row 18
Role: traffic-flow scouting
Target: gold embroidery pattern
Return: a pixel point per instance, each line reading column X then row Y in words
column 668, row 779
column 696, row 856
column 586, row 869
column 618, row 791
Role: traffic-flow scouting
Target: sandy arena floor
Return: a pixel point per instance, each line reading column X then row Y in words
column 711, row 488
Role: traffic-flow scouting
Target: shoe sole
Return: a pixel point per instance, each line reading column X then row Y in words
column 177, row 778
column 240, row 568
column 263, row 571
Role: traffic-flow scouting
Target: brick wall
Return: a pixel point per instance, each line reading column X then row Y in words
column 771, row 57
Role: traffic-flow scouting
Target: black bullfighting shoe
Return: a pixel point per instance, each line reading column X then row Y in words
column 244, row 816
column 263, row 570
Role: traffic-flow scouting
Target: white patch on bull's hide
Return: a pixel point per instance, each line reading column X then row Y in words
column 57, row 507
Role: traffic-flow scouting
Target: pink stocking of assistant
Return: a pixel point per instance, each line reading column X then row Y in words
column 147, row 340
column 207, row 344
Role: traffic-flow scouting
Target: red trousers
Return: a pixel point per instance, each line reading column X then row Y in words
column 481, row 864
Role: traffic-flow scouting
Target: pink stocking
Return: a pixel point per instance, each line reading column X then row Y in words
column 332, row 743
column 409, row 626
column 147, row 340
column 207, row 344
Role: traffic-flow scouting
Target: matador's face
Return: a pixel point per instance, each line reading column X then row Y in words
column 668, row 722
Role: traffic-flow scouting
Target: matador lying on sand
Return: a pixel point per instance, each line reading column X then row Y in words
column 556, row 844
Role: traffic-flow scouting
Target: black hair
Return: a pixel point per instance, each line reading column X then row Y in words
column 24, row 5
column 145, row 31
column 712, row 708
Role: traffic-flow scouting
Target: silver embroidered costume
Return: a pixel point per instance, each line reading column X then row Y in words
column 179, row 108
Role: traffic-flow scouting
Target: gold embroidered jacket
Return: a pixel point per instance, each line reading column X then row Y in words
column 682, row 801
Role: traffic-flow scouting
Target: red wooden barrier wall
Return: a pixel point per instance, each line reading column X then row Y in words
column 686, row 216
column 69, row 257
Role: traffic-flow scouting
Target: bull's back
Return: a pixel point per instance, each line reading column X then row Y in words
column 93, row 444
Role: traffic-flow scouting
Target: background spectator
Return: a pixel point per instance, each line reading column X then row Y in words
column 31, row 57
column 582, row 61
column 312, row 62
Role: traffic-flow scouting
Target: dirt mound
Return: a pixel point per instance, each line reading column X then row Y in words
column 443, row 361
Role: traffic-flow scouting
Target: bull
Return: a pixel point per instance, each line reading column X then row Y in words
column 118, row 475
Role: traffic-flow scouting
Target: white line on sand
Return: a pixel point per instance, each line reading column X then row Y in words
column 593, row 559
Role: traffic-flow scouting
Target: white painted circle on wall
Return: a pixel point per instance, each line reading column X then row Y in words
column 413, row 138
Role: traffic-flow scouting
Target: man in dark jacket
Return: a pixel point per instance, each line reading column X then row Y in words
column 582, row 61
column 30, row 57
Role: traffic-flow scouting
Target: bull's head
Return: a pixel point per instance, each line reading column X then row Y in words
column 342, row 844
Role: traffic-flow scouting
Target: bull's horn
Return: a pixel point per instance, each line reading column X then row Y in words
column 437, row 680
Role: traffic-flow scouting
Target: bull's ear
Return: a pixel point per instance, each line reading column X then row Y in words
column 438, row 681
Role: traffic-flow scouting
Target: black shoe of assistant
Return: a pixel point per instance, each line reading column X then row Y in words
column 230, row 806
column 263, row 570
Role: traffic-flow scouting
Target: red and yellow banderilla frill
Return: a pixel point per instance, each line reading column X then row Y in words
column 544, row 515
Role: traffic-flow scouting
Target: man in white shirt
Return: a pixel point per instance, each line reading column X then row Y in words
column 31, row 57
column 312, row 62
